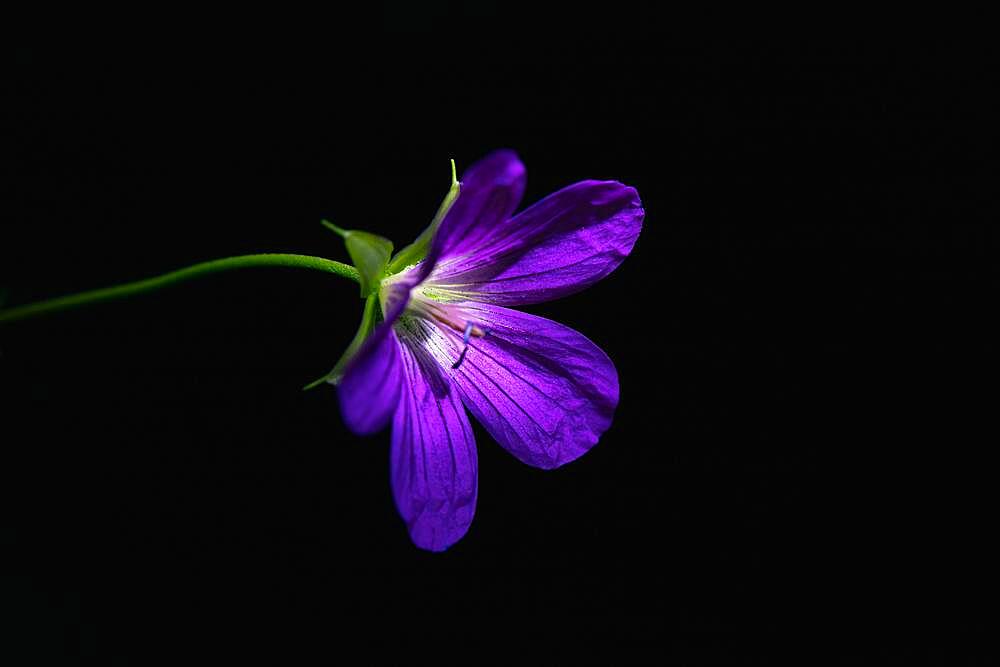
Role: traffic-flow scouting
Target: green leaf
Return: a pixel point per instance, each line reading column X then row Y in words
column 368, row 322
column 369, row 252
column 417, row 250
column 371, row 255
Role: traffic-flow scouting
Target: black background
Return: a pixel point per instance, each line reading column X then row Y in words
column 803, row 335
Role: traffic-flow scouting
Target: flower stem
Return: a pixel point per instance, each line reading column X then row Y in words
column 167, row 279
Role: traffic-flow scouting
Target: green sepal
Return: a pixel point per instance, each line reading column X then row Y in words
column 417, row 250
column 369, row 252
column 368, row 321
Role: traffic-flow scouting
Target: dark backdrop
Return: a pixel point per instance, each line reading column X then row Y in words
column 802, row 335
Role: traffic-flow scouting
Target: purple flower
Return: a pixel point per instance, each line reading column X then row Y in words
column 449, row 343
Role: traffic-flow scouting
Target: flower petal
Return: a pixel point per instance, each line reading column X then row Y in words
column 491, row 190
column 542, row 390
column 563, row 244
column 369, row 389
column 433, row 455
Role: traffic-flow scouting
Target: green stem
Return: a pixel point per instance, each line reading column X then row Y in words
column 174, row 277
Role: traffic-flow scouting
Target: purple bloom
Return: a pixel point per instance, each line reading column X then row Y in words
column 449, row 343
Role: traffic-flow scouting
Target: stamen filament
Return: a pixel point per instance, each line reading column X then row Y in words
column 470, row 330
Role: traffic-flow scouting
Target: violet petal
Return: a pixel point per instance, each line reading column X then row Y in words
column 433, row 456
column 491, row 190
column 369, row 389
column 542, row 390
column 561, row 245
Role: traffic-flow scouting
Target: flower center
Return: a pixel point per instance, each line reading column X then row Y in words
column 427, row 304
column 448, row 317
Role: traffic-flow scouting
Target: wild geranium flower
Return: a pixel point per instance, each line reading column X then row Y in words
column 448, row 341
